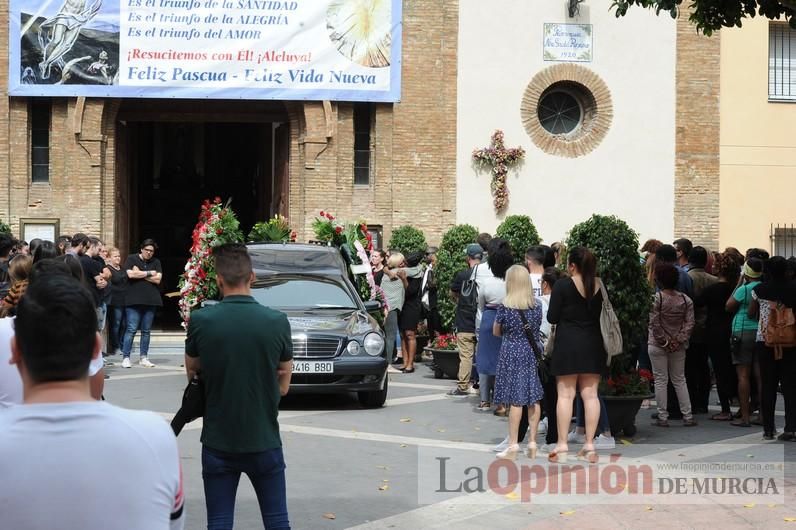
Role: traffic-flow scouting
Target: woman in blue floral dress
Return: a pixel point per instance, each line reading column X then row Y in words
column 517, row 380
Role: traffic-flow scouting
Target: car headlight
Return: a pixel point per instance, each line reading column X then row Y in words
column 353, row 348
column 374, row 344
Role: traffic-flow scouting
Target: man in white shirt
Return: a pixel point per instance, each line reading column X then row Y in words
column 534, row 260
column 70, row 461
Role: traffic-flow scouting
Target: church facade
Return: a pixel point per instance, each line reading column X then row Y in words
column 616, row 116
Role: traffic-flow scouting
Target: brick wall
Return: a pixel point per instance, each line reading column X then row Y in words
column 697, row 164
column 413, row 173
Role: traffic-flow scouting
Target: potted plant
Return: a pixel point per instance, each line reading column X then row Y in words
column 451, row 259
column 408, row 240
column 615, row 245
column 521, row 234
column 446, row 356
column 623, row 396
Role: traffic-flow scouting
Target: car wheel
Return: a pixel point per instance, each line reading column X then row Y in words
column 375, row 399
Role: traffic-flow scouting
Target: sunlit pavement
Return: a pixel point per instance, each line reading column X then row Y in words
column 351, row 467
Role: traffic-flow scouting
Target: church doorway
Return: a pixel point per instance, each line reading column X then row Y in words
column 173, row 155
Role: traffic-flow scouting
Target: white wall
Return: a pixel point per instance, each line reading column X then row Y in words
column 630, row 174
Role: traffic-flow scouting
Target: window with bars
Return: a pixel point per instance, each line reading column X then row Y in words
column 781, row 62
column 40, row 114
column 783, row 240
column 363, row 121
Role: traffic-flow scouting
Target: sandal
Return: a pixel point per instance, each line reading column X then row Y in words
column 501, row 412
column 660, row 423
column 722, row 416
column 558, row 457
column 739, row 423
column 588, row 455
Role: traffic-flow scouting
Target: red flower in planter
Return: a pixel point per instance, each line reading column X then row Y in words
column 339, row 230
column 323, row 214
column 646, row 374
column 217, row 200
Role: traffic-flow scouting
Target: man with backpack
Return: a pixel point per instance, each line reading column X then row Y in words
column 465, row 292
column 772, row 303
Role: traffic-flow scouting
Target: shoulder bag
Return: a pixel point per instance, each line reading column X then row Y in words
column 609, row 327
column 193, row 404
column 541, row 362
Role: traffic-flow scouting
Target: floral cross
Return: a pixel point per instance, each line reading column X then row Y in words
column 499, row 158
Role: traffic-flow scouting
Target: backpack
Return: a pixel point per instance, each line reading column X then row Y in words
column 467, row 306
column 781, row 329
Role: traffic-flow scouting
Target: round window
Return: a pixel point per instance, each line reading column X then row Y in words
column 559, row 112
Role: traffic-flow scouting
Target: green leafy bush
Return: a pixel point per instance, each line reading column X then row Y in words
column 408, row 240
column 451, row 259
column 521, row 234
column 615, row 245
column 4, row 228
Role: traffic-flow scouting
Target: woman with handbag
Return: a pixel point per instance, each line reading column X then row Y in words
column 517, row 381
column 670, row 326
column 579, row 355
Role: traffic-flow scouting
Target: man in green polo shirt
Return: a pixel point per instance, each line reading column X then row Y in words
column 244, row 351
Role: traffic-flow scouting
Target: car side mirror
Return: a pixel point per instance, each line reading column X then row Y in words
column 372, row 306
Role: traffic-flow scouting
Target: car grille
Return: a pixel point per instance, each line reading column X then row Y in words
column 316, row 347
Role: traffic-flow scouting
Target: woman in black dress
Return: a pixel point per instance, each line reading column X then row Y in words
column 578, row 356
column 411, row 312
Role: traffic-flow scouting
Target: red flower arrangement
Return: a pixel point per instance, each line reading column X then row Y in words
column 446, row 341
column 632, row 383
column 217, row 225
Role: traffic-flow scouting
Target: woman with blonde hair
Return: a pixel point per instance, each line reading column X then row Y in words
column 516, row 380
column 393, row 284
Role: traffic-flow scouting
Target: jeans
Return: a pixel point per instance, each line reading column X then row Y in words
column 138, row 316
column 580, row 416
column 390, row 329
column 115, row 333
column 221, row 473
column 666, row 365
column 486, row 385
column 697, row 375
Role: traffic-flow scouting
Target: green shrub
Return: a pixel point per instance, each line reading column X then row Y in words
column 615, row 245
column 450, row 260
column 408, row 240
column 4, row 228
column 521, row 234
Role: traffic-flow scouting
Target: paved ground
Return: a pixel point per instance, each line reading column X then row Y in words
column 349, row 467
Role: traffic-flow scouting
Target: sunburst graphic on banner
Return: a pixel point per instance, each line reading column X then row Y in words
column 361, row 30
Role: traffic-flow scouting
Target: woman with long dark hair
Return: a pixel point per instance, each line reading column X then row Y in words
column 491, row 293
column 578, row 356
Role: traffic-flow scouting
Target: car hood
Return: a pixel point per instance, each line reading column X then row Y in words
column 348, row 322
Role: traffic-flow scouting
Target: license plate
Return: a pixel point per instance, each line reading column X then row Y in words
column 313, row 367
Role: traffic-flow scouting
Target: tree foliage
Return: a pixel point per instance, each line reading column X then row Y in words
column 712, row 15
column 4, row 228
column 521, row 234
column 615, row 245
column 408, row 240
column 451, row 259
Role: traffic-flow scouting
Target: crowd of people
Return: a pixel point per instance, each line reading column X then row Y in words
column 530, row 342
column 126, row 295
column 51, row 358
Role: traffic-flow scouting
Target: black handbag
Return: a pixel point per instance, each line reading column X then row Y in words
column 193, row 404
column 542, row 367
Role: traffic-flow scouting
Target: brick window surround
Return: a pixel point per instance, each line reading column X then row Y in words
column 595, row 101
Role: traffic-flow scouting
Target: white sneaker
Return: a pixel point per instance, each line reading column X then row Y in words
column 543, row 426
column 546, row 448
column 502, row 446
column 126, row 363
column 576, row 437
column 146, row 363
column 604, row 442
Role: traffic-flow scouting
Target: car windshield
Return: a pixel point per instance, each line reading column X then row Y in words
column 302, row 293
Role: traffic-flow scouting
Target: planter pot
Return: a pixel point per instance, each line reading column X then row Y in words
column 446, row 363
column 422, row 342
column 622, row 412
